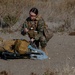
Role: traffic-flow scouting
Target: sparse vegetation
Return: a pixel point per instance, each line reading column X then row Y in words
column 10, row 20
column 53, row 11
column 14, row 12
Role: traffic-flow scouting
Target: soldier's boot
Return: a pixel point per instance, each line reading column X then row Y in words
column 44, row 49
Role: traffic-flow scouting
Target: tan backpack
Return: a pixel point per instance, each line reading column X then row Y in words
column 21, row 46
column 8, row 45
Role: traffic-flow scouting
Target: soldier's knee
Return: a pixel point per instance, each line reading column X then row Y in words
column 42, row 39
column 43, row 42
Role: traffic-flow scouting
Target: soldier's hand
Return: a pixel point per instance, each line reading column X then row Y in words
column 26, row 30
column 32, row 40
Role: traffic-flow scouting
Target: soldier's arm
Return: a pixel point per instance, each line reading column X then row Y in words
column 24, row 29
column 41, row 24
column 40, row 28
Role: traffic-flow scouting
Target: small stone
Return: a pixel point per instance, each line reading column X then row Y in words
column 57, row 53
column 49, row 58
column 72, row 67
column 69, row 58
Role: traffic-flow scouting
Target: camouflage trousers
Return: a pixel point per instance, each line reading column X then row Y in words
column 41, row 41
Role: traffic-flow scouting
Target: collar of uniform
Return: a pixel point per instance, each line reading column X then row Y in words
column 38, row 17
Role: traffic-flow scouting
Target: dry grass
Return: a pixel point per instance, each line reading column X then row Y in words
column 46, row 7
column 51, row 10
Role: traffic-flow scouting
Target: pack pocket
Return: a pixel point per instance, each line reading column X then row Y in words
column 48, row 33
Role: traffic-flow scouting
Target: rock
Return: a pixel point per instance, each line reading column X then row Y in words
column 72, row 33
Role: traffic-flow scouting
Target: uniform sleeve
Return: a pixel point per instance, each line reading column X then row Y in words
column 41, row 24
column 25, row 24
column 23, row 27
column 40, row 27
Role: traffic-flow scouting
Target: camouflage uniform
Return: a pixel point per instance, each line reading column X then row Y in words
column 33, row 26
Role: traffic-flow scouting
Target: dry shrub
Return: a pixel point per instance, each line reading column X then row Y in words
column 14, row 6
column 72, row 33
column 49, row 73
column 33, row 73
column 51, row 10
column 10, row 20
column 3, row 73
column 49, row 6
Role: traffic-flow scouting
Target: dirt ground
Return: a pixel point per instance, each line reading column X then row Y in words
column 61, row 52
column 61, row 48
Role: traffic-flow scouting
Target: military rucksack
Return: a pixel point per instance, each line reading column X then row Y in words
column 47, row 32
column 21, row 46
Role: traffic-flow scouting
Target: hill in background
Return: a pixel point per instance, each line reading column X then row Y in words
column 16, row 11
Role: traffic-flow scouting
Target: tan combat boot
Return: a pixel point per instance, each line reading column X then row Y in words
column 44, row 49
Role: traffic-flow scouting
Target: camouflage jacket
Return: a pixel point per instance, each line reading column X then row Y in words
column 36, row 25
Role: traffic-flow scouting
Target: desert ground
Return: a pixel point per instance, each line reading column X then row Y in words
column 61, row 55
column 60, row 17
